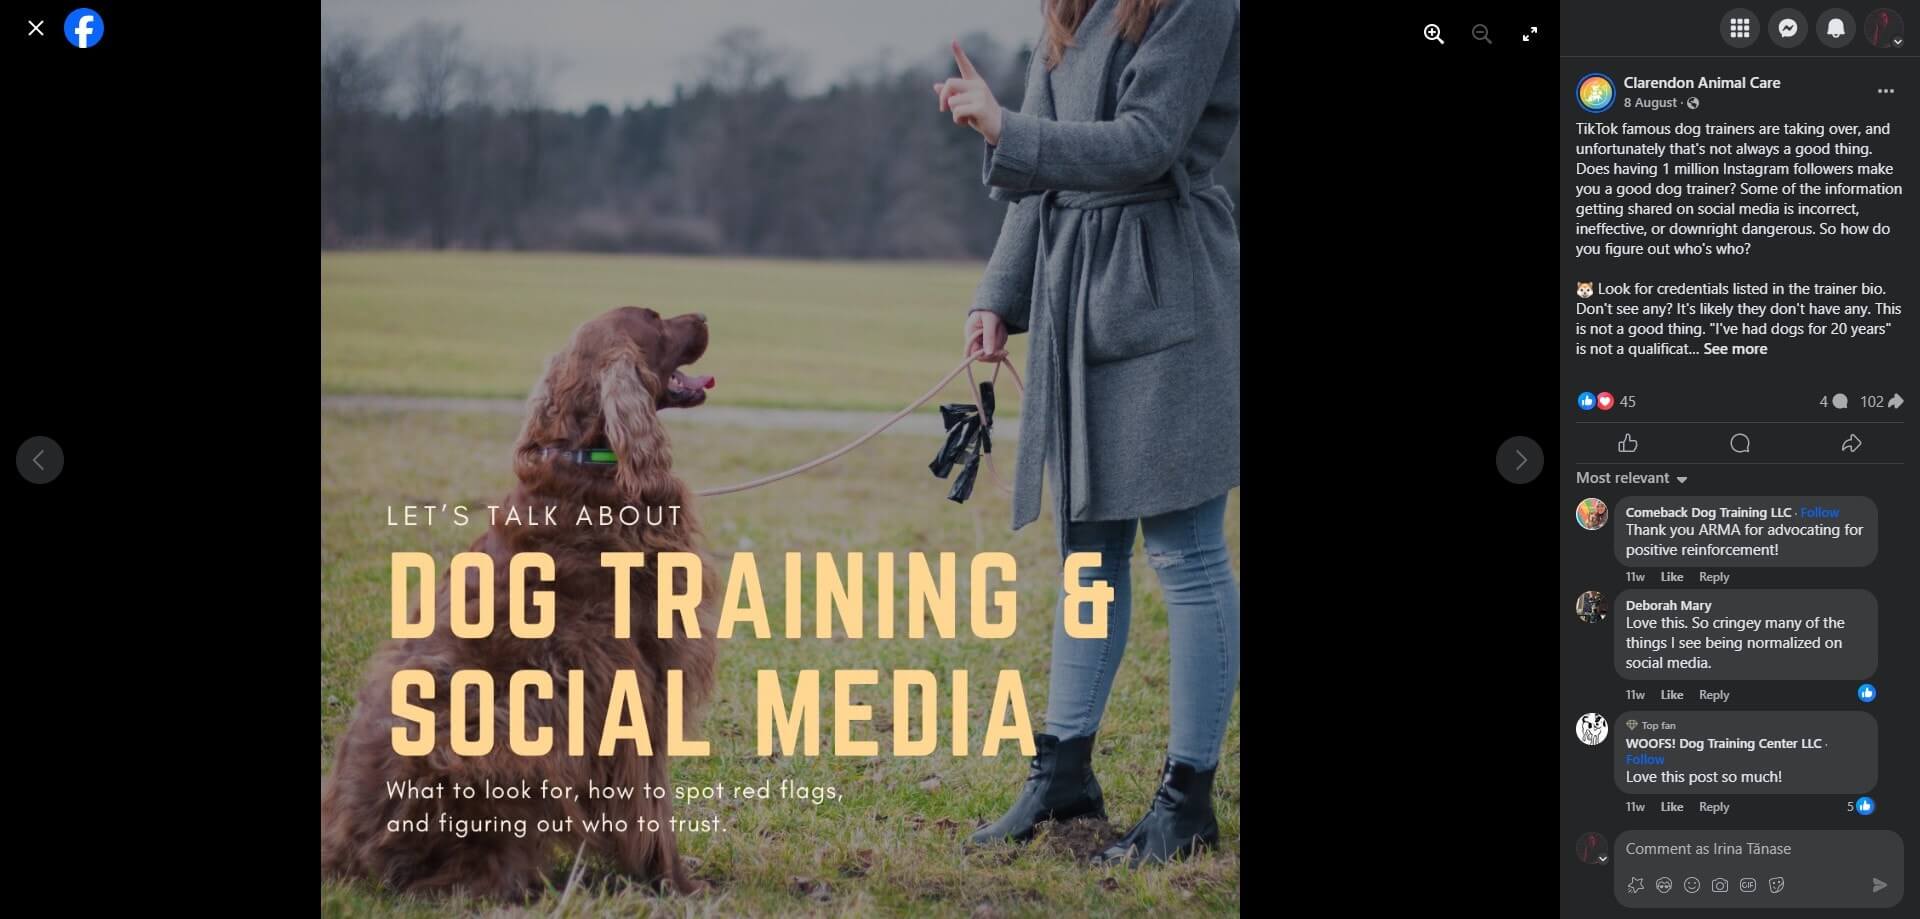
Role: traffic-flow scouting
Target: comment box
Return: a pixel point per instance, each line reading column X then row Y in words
column 1746, row 753
column 1746, row 531
column 1759, row 869
column 1738, row 634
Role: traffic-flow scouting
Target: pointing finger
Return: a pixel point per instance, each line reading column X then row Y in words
column 966, row 66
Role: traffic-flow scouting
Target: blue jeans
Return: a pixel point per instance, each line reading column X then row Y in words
column 1188, row 550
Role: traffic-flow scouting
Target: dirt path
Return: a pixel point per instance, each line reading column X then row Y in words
column 925, row 422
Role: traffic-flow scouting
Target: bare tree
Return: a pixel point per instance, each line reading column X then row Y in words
column 741, row 60
column 524, row 79
column 740, row 154
column 429, row 140
column 435, row 54
column 527, row 78
column 353, row 88
column 353, row 77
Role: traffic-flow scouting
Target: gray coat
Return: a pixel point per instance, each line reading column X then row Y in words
column 1119, row 256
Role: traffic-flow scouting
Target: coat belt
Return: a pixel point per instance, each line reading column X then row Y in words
column 1051, row 423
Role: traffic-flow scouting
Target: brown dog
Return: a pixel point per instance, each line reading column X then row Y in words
column 600, row 393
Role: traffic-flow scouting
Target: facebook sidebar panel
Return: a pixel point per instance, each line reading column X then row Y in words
column 1740, row 539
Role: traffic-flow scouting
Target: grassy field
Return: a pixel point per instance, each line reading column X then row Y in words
column 788, row 334
column 891, row 845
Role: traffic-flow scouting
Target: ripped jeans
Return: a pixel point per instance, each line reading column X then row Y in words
column 1188, row 551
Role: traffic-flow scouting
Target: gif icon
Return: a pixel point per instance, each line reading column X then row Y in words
column 85, row 28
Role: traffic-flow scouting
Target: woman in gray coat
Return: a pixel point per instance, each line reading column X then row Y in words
column 1120, row 257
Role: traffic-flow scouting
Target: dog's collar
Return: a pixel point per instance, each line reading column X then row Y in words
column 596, row 457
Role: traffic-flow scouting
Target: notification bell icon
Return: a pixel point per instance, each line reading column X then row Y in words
column 1836, row 28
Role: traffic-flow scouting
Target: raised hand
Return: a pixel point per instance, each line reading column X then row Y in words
column 969, row 99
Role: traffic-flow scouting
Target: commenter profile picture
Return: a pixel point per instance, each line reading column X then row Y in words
column 1591, row 728
column 1591, row 514
column 1591, row 607
column 1594, row 92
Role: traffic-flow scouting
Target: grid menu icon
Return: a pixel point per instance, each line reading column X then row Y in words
column 1740, row 27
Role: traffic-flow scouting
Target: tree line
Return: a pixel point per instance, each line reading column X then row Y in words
column 427, row 143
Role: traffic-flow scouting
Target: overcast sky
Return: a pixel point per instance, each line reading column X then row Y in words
column 623, row 52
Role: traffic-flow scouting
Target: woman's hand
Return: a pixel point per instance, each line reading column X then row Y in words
column 969, row 99
column 986, row 336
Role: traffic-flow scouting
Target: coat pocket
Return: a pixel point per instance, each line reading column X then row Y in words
column 1142, row 299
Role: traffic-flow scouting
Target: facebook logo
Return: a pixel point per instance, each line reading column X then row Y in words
column 84, row 28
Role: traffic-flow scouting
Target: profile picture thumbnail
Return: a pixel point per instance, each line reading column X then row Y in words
column 1591, row 849
column 1591, row 607
column 1591, row 514
column 1591, row 728
column 1595, row 92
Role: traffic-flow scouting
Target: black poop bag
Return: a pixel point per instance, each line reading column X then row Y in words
column 968, row 436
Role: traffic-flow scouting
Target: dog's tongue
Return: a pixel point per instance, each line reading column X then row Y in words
column 700, row 382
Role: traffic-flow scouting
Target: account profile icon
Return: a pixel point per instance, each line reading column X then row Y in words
column 1594, row 92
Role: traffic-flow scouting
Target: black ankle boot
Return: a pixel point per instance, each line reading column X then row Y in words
column 1060, row 786
column 1179, row 822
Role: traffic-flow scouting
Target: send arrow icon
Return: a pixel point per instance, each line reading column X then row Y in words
column 1879, row 885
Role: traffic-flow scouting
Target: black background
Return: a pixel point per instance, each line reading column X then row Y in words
column 161, row 328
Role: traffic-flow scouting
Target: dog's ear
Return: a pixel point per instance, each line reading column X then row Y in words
column 539, row 407
column 633, row 431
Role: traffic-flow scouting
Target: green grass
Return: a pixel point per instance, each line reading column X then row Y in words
column 891, row 846
column 807, row 334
